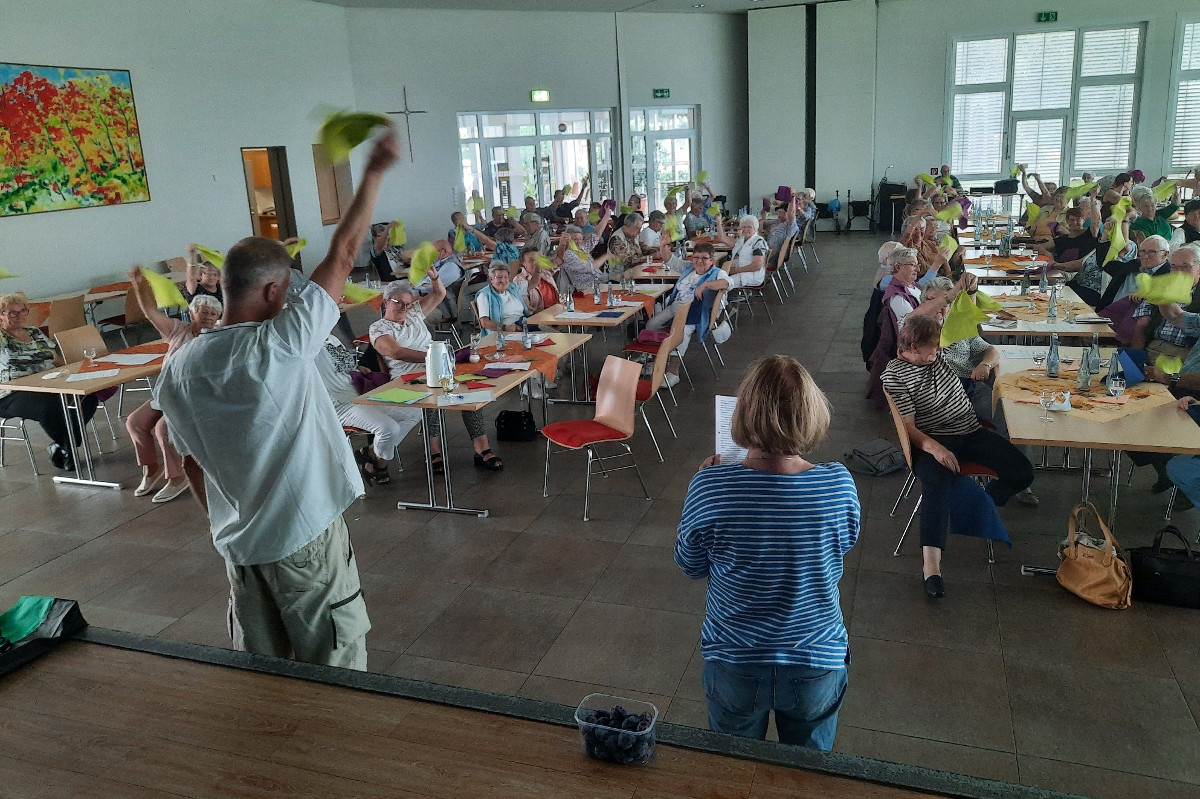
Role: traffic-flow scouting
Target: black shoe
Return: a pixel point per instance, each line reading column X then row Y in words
column 1161, row 485
column 61, row 458
column 935, row 588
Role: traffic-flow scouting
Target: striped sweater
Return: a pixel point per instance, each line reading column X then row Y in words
column 771, row 546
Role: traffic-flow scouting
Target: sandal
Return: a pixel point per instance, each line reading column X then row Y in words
column 371, row 470
column 435, row 460
column 488, row 460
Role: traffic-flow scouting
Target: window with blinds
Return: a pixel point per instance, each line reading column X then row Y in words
column 1062, row 102
column 1185, row 140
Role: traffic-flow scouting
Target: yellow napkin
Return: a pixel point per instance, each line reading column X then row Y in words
column 545, row 263
column 1078, row 191
column 1164, row 289
column 1116, row 241
column 1163, row 190
column 625, row 209
column 396, row 236
column 295, row 247
column 1015, row 171
column 949, row 213
column 572, row 245
column 926, row 178
column 214, row 257
column 422, row 259
column 948, row 241
column 1034, row 212
column 594, row 217
column 166, row 293
column 1121, row 207
column 475, row 204
column 359, row 295
column 460, row 240
column 342, row 131
column 713, row 210
column 1169, row 364
column 985, row 302
column 962, row 321
column 4, row 273
column 701, row 177
column 680, row 189
column 513, row 212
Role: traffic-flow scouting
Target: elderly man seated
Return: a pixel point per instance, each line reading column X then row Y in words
column 651, row 235
column 474, row 239
column 781, row 228
column 696, row 221
column 535, row 229
column 696, row 277
column 500, row 222
column 626, row 245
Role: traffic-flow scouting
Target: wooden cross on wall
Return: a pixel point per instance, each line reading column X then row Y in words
column 406, row 113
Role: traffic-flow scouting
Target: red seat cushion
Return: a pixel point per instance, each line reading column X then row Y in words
column 352, row 430
column 115, row 321
column 643, row 391
column 580, row 433
column 641, row 346
column 365, row 338
column 975, row 470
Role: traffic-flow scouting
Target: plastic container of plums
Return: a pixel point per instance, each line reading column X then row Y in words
column 616, row 729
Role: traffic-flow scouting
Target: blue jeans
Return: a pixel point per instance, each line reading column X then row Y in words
column 806, row 701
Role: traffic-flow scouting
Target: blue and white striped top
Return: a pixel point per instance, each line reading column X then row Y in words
column 771, row 546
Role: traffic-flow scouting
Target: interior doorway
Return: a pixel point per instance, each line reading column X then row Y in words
column 269, row 192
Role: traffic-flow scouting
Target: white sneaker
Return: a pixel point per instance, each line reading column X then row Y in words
column 1027, row 497
column 169, row 492
column 149, row 482
column 535, row 388
column 670, row 380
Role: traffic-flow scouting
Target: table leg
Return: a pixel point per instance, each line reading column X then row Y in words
column 71, row 403
column 1114, row 483
column 583, row 357
column 1087, row 473
column 432, row 504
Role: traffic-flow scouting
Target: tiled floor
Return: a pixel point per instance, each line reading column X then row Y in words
column 1009, row 677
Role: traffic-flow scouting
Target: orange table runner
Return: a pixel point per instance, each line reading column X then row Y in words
column 1027, row 387
column 151, row 347
column 585, row 303
column 124, row 285
column 544, row 362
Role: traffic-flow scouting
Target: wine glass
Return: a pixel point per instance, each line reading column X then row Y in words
column 1039, row 358
column 1046, row 400
column 1021, row 251
column 1116, row 386
column 987, row 258
column 89, row 353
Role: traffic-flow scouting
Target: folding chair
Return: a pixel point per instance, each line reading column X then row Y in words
column 24, row 436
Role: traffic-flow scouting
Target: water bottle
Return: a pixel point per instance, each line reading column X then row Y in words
column 975, row 224
column 1052, row 359
column 596, row 293
column 1083, row 383
column 1114, row 368
column 500, row 343
column 1025, row 283
column 526, row 336
column 612, row 297
column 571, row 301
column 1093, row 354
column 1043, row 284
column 1052, row 310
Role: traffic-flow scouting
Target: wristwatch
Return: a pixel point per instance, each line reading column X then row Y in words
column 1173, row 380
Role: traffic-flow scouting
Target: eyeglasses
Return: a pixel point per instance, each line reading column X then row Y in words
column 1153, row 252
column 404, row 306
column 14, row 314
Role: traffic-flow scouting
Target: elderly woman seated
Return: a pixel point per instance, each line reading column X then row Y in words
column 1189, row 231
column 506, row 251
column 943, row 428
column 403, row 338
column 584, row 268
column 626, row 245
column 1151, row 220
column 27, row 351
column 747, row 265
column 147, row 427
column 781, row 228
column 540, row 290
column 696, row 277
column 387, row 424
column 387, row 258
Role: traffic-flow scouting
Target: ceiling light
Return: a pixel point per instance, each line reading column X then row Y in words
column 697, row 5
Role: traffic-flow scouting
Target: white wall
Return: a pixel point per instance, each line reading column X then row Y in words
column 209, row 78
column 845, row 99
column 910, row 124
column 776, row 91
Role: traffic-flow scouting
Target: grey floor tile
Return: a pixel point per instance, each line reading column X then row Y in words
column 550, row 564
column 456, row 553
column 647, row 577
column 1099, row 783
column 985, row 763
column 401, row 608
column 894, row 607
column 462, row 675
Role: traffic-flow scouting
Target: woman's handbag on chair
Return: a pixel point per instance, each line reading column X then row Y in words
column 1099, row 576
column 1167, row 576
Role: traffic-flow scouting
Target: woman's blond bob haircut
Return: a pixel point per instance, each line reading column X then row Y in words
column 780, row 409
column 15, row 298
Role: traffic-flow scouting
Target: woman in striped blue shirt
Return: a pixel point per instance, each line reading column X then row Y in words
column 770, row 533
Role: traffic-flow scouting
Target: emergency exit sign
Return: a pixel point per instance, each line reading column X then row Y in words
column 662, row 94
column 1047, row 16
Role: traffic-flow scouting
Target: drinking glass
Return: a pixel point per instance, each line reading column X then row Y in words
column 1116, row 386
column 1039, row 358
column 88, row 354
column 987, row 258
column 499, row 353
column 1047, row 399
column 1020, row 250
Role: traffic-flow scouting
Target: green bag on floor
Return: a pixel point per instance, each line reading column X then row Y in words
column 33, row 626
column 24, row 617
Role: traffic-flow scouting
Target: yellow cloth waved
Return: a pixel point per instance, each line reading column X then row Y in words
column 680, row 189
column 166, row 293
column 475, row 204
column 1034, row 212
column 1163, row 190
column 545, row 263
column 460, row 240
column 1015, row 171
column 342, row 131
column 701, row 177
column 962, row 320
column 926, row 178
column 984, row 302
column 572, row 245
column 594, row 217
column 1169, row 364
column 949, row 243
column 1078, row 191
column 713, row 210
column 4, row 273
column 949, row 213
column 422, row 259
column 295, row 247
column 1116, row 240
column 357, row 294
column 1121, row 207
column 626, row 209
column 513, row 212
column 214, row 257
column 397, row 237
column 1164, row 289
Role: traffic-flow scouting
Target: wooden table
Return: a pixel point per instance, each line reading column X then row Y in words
column 1001, row 275
column 564, row 344
column 1159, row 429
column 71, row 395
column 1071, row 305
column 655, row 272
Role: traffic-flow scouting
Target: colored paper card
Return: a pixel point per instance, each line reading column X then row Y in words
column 422, row 259
column 1164, row 289
column 4, row 273
column 1163, row 190
column 926, row 178
column 962, row 321
column 214, row 257
column 341, row 132
column 397, row 236
column 475, row 204
column 949, row 213
column 166, row 293
column 358, row 295
column 295, row 247
column 400, row 396
column 1133, row 372
column 460, row 240
column 949, row 243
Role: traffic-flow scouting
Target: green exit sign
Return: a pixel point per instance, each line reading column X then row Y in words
column 1047, row 16
column 662, row 94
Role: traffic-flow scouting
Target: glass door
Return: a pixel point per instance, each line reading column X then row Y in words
column 663, row 153
column 514, row 171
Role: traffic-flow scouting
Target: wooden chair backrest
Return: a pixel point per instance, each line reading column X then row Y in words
column 901, row 430
column 133, row 308
column 616, row 393
column 717, row 307
column 178, row 264
column 65, row 314
column 785, row 252
column 72, row 343
column 38, row 313
column 674, row 339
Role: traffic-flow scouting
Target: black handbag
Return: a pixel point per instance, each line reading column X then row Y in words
column 1006, row 186
column 1166, row 576
column 516, row 426
column 875, row 458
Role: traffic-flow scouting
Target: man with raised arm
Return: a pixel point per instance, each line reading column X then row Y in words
column 246, row 402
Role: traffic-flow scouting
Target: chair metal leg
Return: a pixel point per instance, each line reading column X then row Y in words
column 788, row 274
column 904, row 489
column 686, row 373
column 775, row 284
column 911, row 516
column 650, row 430
column 587, row 484
column 711, row 365
column 112, row 431
column 546, row 477
column 767, row 307
column 636, row 470
column 991, row 552
column 671, row 391
column 667, row 416
column 717, row 350
column 120, row 399
column 1171, row 502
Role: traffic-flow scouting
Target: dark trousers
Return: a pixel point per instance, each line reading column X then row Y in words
column 983, row 447
column 46, row 410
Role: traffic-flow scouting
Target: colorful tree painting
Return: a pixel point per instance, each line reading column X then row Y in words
column 69, row 138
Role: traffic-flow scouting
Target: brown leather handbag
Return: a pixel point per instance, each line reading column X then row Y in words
column 1099, row 576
